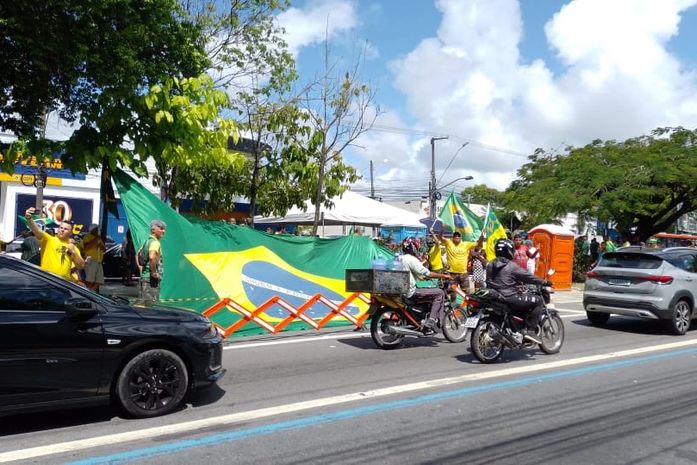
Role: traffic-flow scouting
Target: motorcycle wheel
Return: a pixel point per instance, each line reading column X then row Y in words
column 453, row 324
column 551, row 333
column 379, row 328
column 483, row 346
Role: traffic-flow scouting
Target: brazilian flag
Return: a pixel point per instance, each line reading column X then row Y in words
column 206, row 261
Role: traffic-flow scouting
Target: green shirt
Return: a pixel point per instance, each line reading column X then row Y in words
column 152, row 245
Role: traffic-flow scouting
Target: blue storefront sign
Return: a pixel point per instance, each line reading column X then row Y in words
column 79, row 211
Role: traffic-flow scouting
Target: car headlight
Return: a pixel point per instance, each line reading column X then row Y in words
column 212, row 331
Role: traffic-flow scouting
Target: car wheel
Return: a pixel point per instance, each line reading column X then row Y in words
column 152, row 383
column 680, row 319
column 597, row 318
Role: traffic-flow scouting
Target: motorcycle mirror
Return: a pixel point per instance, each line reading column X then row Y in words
column 551, row 272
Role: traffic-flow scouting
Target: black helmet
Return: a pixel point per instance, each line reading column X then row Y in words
column 504, row 248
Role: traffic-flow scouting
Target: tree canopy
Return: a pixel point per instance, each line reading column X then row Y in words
column 73, row 56
column 643, row 184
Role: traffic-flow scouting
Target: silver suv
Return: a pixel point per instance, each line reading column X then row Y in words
column 653, row 284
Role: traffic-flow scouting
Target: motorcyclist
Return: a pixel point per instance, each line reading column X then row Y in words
column 410, row 248
column 503, row 276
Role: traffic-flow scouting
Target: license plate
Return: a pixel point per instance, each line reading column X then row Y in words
column 619, row 282
column 472, row 321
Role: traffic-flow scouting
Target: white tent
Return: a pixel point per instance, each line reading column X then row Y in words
column 350, row 209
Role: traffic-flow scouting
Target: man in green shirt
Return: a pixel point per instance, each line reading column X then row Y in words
column 151, row 263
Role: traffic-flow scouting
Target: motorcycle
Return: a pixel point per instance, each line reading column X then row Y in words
column 495, row 327
column 394, row 317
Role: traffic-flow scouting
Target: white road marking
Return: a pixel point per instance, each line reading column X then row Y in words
column 567, row 301
column 336, row 336
column 193, row 426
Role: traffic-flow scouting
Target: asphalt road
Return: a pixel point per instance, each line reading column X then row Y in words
column 617, row 395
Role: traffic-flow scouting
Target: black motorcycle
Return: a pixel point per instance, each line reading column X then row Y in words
column 497, row 327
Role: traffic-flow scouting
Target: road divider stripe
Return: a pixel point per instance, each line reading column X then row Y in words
column 241, row 417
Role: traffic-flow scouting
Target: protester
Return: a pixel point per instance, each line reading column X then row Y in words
column 478, row 264
column 232, row 221
column 434, row 254
column 457, row 253
column 31, row 250
column 653, row 243
column 128, row 260
column 522, row 252
column 594, row 249
column 609, row 245
column 151, row 262
column 93, row 249
column 58, row 253
column 533, row 254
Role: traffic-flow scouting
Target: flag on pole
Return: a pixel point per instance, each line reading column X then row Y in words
column 461, row 219
column 493, row 231
column 41, row 222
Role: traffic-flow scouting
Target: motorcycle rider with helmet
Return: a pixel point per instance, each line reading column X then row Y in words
column 503, row 276
column 416, row 269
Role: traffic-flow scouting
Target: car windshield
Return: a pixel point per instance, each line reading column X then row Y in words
column 630, row 260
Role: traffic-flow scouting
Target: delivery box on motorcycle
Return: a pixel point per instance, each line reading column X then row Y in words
column 374, row 281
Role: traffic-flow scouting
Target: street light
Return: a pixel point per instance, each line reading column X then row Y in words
column 464, row 178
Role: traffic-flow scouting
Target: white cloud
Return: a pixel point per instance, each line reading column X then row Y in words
column 317, row 21
column 618, row 80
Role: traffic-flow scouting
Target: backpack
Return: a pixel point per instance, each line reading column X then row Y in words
column 142, row 257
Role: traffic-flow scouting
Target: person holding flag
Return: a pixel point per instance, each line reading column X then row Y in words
column 493, row 231
column 467, row 231
column 58, row 253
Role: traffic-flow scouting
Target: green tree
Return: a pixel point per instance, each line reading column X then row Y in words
column 88, row 58
column 483, row 194
column 643, row 184
column 340, row 109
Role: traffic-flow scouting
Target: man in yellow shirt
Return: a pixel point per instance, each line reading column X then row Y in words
column 93, row 248
column 457, row 254
column 435, row 257
column 58, row 253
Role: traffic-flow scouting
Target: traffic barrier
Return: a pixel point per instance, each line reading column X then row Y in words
column 248, row 316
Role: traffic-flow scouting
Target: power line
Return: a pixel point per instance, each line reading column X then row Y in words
column 425, row 132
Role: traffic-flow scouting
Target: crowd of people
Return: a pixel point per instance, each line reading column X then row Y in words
column 79, row 259
column 465, row 263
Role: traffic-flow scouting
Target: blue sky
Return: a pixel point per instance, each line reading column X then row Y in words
column 503, row 76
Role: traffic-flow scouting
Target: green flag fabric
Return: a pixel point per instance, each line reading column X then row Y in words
column 493, row 231
column 461, row 219
column 206, row 261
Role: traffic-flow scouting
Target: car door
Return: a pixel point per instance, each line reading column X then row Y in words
column 46, row 353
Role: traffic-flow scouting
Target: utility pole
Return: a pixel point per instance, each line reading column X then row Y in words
column 432, row 184
column 372, row 188
column 41, row 175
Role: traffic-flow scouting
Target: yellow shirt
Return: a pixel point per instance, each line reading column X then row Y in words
column 435, row 259
column 54, row 257
column 458, row 255
column 91, row 245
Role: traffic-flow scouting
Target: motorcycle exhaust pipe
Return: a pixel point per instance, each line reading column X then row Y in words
column 405, row 331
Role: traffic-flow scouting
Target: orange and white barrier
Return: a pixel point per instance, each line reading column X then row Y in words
column 248, row 316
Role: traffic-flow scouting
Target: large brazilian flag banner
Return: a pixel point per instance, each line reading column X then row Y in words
column 206, row 261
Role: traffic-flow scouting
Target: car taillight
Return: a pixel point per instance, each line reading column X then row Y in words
column 658, row 279
column 592, row 274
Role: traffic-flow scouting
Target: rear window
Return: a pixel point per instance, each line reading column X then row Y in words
column 630, row 260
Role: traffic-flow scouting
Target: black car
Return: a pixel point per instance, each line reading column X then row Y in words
column 61, row 344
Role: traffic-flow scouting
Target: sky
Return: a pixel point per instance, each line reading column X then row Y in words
column 500, row 78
